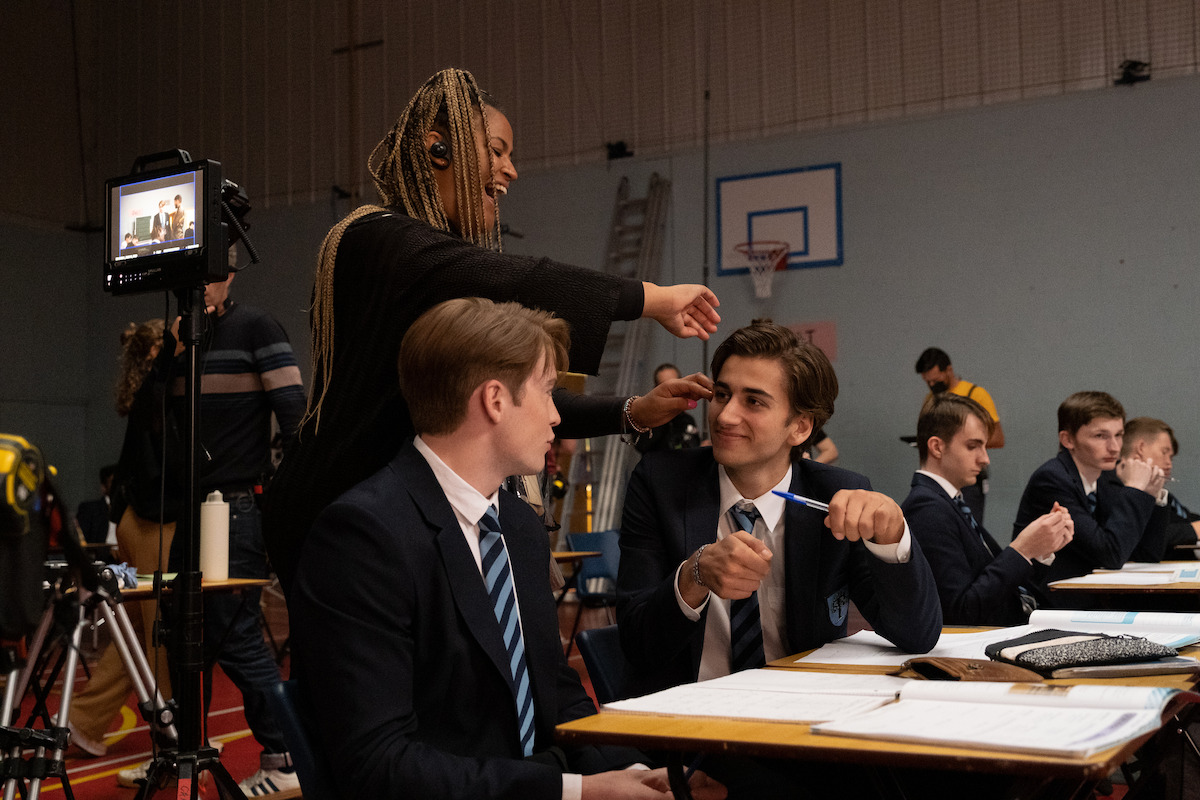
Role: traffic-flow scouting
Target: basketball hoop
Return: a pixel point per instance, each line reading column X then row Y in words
column 764, row 258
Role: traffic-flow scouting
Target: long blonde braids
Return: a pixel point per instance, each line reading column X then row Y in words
column 449, row 102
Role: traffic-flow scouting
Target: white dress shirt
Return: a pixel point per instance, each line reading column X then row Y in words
column 772, row 598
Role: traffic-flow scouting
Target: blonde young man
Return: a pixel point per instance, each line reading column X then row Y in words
column 424, row 633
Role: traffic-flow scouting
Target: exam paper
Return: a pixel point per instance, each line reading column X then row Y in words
column 1118, row 578
column 1055, row 731
column 774, row 695
column 868, row 648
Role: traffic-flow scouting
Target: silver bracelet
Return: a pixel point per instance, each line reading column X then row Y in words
column 629, row 417
column 696, row 568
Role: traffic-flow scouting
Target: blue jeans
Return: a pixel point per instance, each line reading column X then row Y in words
column 232, row 631
column 233, row 637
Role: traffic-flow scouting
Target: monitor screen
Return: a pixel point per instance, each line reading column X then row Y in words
column 159, row 232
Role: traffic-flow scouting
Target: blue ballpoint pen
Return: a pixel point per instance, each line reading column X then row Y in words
column 804, row 501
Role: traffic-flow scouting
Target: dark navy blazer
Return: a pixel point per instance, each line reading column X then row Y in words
column 671, row 508
column 396, row 646
column 1126, row 524
column 978, row 583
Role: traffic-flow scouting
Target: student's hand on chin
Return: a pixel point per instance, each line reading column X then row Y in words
column 858, row 514
column 1135, row 473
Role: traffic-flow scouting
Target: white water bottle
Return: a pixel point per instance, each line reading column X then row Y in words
column 214, row 538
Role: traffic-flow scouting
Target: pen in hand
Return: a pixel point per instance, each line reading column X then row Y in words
column 804, row 501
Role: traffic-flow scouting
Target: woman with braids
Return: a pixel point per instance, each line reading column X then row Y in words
column 440, row 173
column 139, row 500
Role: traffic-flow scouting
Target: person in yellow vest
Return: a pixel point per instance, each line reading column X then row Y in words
column 935, row 369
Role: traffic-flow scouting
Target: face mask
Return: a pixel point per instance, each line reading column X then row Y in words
column 939, row 387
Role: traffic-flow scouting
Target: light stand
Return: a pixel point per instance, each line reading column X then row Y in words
column 193, row 756
column 182, row 262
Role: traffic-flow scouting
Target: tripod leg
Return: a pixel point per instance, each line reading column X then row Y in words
column 64, row 710
column 10, row 696
column 31, row 659
column 137, row 666
column 161, row 768
column 189, row 767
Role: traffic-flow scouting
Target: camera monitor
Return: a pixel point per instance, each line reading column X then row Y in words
column 164, row 229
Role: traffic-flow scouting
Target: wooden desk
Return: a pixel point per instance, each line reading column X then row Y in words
column 145, row 589
column 1037, row 775
column 574, row 556
column 1178, row 596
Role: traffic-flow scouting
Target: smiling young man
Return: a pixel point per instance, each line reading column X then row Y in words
column 1118, row 505
column 719, row 574
column 424, row 633
column 979, row 582
column 686, row 554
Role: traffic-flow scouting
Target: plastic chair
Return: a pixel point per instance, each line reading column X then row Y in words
column 596, row 581
column 295, row 720
column 613, row 677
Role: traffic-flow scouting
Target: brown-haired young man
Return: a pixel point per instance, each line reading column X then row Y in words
column 1153, row 440
column 979, row 582
column 718, row 573
column 423, row 631
column 1118, row 505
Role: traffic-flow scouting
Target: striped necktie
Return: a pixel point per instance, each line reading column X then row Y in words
column 1091, row 501
column 745, row 624
column 1176, row 506
column 965, row 510
column 498, row 578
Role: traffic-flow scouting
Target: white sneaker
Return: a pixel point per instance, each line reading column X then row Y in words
column 133, row 777
column 269, row 781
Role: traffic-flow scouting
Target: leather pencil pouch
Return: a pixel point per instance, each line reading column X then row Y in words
column 1047, row 650
column 941, row 668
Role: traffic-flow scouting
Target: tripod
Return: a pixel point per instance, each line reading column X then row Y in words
column 74, row 610
column 19, row 668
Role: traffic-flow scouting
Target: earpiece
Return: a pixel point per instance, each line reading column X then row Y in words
column 439, row 150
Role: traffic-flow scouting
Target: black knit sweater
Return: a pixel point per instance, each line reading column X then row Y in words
column 390, row 269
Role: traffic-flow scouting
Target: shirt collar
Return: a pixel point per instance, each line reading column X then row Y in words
column 468, row 504
column 947, row 487
column 770, row 506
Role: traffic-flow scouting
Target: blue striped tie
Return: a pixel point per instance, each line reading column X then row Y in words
column 498, row 578
column 1091, row 501
column 966, row 512
column 745, row 623
column 1176, row 506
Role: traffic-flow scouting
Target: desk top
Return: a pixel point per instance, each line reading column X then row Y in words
column 146, row 588
column 795, row 740
column 1178, row 588
column 564, row 556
